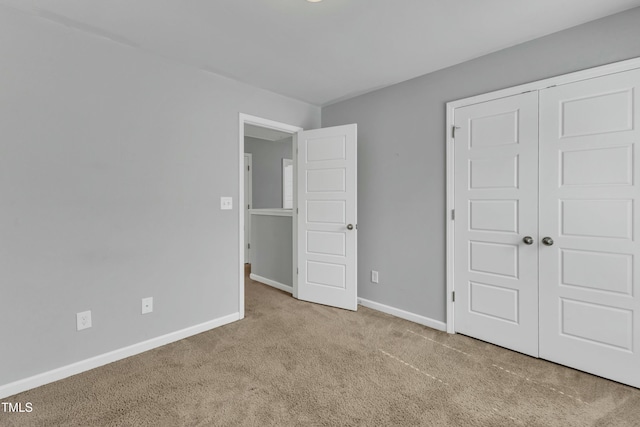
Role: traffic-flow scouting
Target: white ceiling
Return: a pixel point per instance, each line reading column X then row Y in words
column 321, row 52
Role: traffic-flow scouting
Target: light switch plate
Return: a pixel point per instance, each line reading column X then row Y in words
column 226, row 203
column 83, row 320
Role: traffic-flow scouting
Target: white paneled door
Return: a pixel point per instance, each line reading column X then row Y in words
column 589, row 195
column 496, row 222
column 327, row 216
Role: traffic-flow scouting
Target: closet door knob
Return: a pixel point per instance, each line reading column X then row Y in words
column 350, row 227
column 547, row 241
column 528, row 240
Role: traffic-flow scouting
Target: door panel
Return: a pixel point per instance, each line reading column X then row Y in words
column 493, row 215
column 493, row 301
column 496, row 201
column 582, row 115
column 589, row 299
column 600, row 271
column 494, row 172
column 327, row 204
column 597, row 166
column 596, row 218
column 493, row 258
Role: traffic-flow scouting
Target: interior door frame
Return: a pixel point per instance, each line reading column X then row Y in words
column 247, row 239
column 283, row 127
column 590, row 73
column 285, row 163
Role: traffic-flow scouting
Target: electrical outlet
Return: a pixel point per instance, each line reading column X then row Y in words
column 83, row 320
column 374, row 276
column 147, row 305
column 226, row 203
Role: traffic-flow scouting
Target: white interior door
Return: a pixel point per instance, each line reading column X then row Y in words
column 247, row 206
column 496, row 207
column 327, row 216
column 589, row 286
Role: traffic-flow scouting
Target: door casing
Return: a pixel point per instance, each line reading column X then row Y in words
column 603, row 70
column 248, row 161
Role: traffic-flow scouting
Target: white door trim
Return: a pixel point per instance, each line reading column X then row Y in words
column 270, row 124
column 590, row 73
column 247, row 239
column 285, row 163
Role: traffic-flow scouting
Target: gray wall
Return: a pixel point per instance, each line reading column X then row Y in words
column 267, row 170
column 272, row 248
column 112, row 163
column 401, row 153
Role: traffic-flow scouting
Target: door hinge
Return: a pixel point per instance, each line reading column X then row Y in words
column 248, row 206
column 248, row 167
column 296, row 210
column 248, row 245
column 453, row 131
column 453, row 296
column 453, row 214
column 296, row 270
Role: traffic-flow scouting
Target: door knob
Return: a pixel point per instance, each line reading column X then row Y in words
column 528, row 240
column 350, row 227
column 547, row 241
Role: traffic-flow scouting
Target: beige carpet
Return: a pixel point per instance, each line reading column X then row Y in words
column 291, row 363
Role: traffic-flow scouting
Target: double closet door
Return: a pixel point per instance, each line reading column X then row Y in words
column 546, row 251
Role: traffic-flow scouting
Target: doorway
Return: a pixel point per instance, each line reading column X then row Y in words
column 323, row 215
column 267, row 129
column 268, row 219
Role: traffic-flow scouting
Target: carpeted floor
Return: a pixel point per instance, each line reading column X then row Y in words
column 291, row 363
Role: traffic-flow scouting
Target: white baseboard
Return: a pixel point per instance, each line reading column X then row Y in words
column 416, row 318
column 270, row 282
column 112, row 356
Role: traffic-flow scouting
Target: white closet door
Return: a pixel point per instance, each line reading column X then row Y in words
column 496, row 206
column 589, row 196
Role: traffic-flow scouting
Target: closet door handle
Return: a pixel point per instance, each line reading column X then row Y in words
column 528, row 240
column 547, row 241
column 350, row 227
